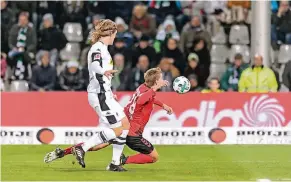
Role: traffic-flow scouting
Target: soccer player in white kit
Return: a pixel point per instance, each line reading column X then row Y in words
column 101, row 98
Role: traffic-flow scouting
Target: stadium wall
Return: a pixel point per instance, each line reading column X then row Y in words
column 227, row 118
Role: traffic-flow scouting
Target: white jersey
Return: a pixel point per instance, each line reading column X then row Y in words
column 99, row 61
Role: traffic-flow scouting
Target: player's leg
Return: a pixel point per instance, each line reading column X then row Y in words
column 119, row 142
column 112, row 118
column 60, row 153
column 147, row 152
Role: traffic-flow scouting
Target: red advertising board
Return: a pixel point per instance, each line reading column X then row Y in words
column 190, row 110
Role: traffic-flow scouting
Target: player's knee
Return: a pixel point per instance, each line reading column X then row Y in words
column 125, row 124
column 118, row 131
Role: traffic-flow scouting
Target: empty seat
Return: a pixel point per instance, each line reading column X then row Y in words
column 220, row 37
column 284, row 54
column 217, row 70
column 19, row 86
column 242, row 49
column 71, row 51
column 239, row 34
column 73, row 32
column 219, row 53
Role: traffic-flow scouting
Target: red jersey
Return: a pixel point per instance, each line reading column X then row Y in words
column 139, row 109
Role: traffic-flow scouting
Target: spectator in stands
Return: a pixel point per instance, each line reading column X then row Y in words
column 287, row 75
column 3, row 65
column 213, row 86
column 169, row 72
column 161, row 9
column 119, row 81
column 281, row 25
column 168, row 30
column 172, row 51
column 73, row 11
column 239, row 10
column 122, row 32
column 229, row 80
column 136, row 77
column 120, row 8
column 190, row 31
column 199, row 47
column 119, row 47
column 144, row 48
column 194, row 83
column 22, row 38
column 142, row 23
column 43, row 75
column 192, row 68
column 71, row 79
column 50, row 39
column 7, row 20
column 45, row 7
column 24, row 6
column 258, row 78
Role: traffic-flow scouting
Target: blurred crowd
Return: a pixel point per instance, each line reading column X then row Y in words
column 44, row 45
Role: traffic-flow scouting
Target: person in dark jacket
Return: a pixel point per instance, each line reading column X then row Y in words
column 120, row 79
column 43, row 75
column 7, row 20
column 136, row 77
column 51, row 39
column 281, row 24
column 119, row 47
column 22, row 37
column 287, row 75
column 229, row 80
column 144, row 49
column 192, row 68
column 199, row 47
column 194, row 83
column 71, row 79
column 172, row 51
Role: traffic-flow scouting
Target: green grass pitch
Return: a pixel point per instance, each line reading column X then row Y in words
column 177, row 163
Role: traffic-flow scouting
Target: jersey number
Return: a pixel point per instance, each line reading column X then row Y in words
column 133, row 103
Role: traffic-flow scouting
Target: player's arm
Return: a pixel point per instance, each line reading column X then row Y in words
column 164, row 106
column 96, row 58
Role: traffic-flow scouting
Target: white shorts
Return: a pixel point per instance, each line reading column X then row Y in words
column 108, row 109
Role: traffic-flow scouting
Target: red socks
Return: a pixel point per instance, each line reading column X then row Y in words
column 139, row 159
column 69, row 150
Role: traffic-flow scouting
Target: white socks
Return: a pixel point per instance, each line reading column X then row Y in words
column 102, row 137
column 118, row 145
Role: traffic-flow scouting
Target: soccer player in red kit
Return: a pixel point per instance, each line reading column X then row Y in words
column 138, row 112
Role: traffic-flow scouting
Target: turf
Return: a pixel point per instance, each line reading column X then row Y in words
column 235, row 162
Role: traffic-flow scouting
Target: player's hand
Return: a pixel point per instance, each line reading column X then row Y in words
column 160, row 84
column 168, row 109
column 109, row 73
column 115, row 96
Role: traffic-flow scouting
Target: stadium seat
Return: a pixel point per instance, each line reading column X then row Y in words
column 239, row 34
column 217, row 70
column 220, row 37
column 73, row 32
column 19, row 86
column 284, row 54
column 242, row 49
column 219, row 53
column 71, row 51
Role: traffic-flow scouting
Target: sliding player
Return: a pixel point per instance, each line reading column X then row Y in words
column 138, row 111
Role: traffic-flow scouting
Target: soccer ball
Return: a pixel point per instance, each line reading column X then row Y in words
column 181, row 85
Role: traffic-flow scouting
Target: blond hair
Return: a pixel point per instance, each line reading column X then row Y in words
column 103, row 28
column 151, row 76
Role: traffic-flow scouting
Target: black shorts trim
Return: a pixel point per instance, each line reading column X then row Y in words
column 139, row 144
column 102, row 99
